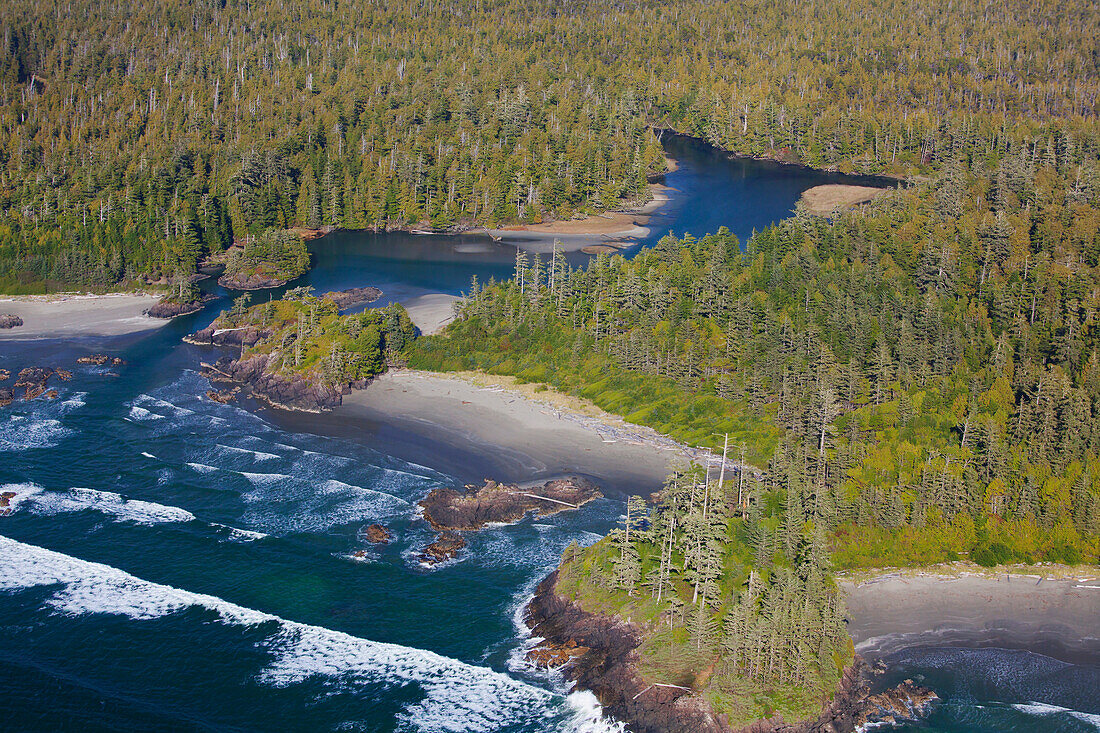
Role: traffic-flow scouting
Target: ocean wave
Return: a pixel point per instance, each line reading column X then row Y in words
column 266, row 479
column 23, row 432
column 333, row 485
column 239, row 535
column 148, row 455
column 140, row 414
column 257, row 454
column 48, row 503
column 457, row 696
column 202, row 467
column 1043, row 709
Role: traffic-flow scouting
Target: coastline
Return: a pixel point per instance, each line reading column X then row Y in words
column 526, row 437
column 1049, row 609
column 79, row 314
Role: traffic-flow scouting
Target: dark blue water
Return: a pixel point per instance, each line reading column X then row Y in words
column 176, row 564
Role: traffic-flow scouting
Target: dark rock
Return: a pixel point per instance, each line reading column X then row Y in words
column 449, row 510
column 211, row 336
column 100, row 360
column 5, row 502
column 445, row 547
column 548, row 655
column 351, row 297
column 10, row 321
column 224, row 396
column 245, row 281
column 33, row 381
column 292, row 392
column 52, row 394
column 171, row 309
column 606, row 662
column 378, row 535
column 6, row 397
column 5, row 375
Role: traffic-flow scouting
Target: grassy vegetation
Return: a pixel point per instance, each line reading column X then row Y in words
column 549, row 355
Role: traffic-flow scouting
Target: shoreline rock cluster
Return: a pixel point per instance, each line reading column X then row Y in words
column 345, row 299
column 450, row 512
column 172, row 309
column 34, row 381
column 599, row 653
column 8, row 320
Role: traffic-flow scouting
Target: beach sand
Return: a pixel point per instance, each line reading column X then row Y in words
column 430, row 312
column 56, row 316
column 833, row 196
column 610, row 230
column 1057, row 616
column 520, row 438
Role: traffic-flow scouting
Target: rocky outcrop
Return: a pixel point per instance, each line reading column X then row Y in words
column 600, row 652
column 33, row 380
column 171, row 308
column 5, row 502
column 352, row 297
column 7, row 320
column 5, row 375
column 251, row 281
column 248, row 335
column 222, row 396
column 445, row 547
column 100, row 360
column 376, row 534
column 7, row 396
column 449, row 510
column 289, row 391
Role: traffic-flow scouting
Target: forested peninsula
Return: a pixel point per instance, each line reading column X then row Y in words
column 912, row 382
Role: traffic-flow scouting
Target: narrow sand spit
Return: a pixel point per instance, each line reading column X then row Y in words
column 1051, row 610
column 55, row 316
column 830, row 197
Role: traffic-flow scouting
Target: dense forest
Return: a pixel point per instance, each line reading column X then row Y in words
column 919, row 381
column 136, row 138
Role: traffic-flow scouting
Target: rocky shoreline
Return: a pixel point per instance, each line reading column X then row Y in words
column 278, row 390
column 172, row 309
column 600, row 654
column 447, row 510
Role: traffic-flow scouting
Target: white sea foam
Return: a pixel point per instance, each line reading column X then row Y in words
column 332, row 485
column 202, row 467
column 257, row 454
column 126, row 510
column 148, row 455
column 457, row 696
column 240, row 535
column 74, row 401
column 21, row 432
column 140, row 414
column 1043, row 709
column 22, row 493
column 588, row 715
column 265, row 479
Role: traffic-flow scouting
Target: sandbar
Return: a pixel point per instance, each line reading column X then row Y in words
column 831, row 197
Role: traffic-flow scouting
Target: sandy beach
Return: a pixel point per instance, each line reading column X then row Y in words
column 54, row 316
column 607, row 231
column 1050, row 610
column 523, row 438
column 430, row 312
column 831, row 197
